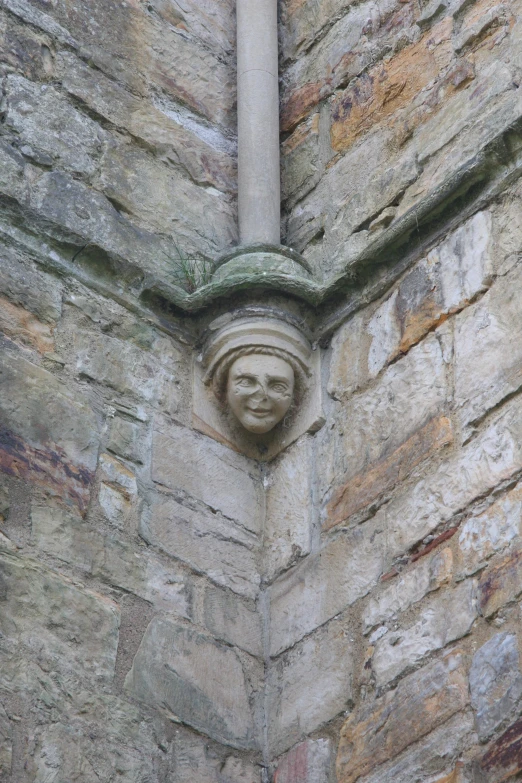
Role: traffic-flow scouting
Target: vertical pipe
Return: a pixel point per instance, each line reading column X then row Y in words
column 258, row 122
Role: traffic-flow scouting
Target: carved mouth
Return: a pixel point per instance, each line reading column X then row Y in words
column 259, row 412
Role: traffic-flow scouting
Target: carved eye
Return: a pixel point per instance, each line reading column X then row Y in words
column 280, row 388
column 245, row 382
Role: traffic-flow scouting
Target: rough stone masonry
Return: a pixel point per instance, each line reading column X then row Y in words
column 172, row 611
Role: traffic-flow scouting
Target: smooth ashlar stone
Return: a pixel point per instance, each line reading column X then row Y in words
column 193, row 679
column 325, row 662
column 182, row 459
column 208, row 542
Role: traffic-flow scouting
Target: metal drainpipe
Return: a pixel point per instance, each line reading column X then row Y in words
column 259, row 187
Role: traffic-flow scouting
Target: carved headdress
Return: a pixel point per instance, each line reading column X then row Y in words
column 247, row 335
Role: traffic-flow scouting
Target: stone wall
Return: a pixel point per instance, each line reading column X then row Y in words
column 383, row 103
column 395, row 638
column 171, row 611
column 129, row 572
column 130, row 643
column 393, row 578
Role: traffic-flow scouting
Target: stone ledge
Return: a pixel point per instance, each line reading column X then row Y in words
column 482, row 176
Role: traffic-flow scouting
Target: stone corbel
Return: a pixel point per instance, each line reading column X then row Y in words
column 256, row 382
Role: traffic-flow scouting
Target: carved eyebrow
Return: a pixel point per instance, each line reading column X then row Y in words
column 275, row 379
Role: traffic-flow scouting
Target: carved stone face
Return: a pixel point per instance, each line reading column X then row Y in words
column 260, row 390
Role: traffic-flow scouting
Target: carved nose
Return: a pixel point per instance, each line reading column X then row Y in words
column 261, row 391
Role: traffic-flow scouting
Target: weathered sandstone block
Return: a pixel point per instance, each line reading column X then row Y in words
column 423, row 577
column 59, row 450
column 208, row 542
column 50, row 130
column 195, row 680
column 491, row 328
column 443, row 619
column 65, row 628
column 27, row 286
column 111, row 559
column 287, row 531
column 182, row 459
column 382, row 729
column 325, row 584
column 433, row 755
column 491, row 531
column 233, row 619
column 501, row 582
column 324, row 661
column 495, row 682
column 308, row 762
column 442, row 283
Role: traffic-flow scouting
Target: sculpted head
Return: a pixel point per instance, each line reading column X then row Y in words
column 258, row 368
column 260, row 390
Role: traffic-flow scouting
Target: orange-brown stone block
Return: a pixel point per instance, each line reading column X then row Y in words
column 453, row 777
column 301, row 102
column 380, row 731
column 22, row 326
column 501, row 583
column 390, row 86
column 371, row 483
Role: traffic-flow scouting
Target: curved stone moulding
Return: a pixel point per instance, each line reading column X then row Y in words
column 269, row 267
column 256, row 382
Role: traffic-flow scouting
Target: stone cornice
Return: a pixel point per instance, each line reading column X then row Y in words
column 475, row 182
column 281, row 271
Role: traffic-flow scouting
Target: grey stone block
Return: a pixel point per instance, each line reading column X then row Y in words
column 182, row 459
column 195, row 680
column 495, row 681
